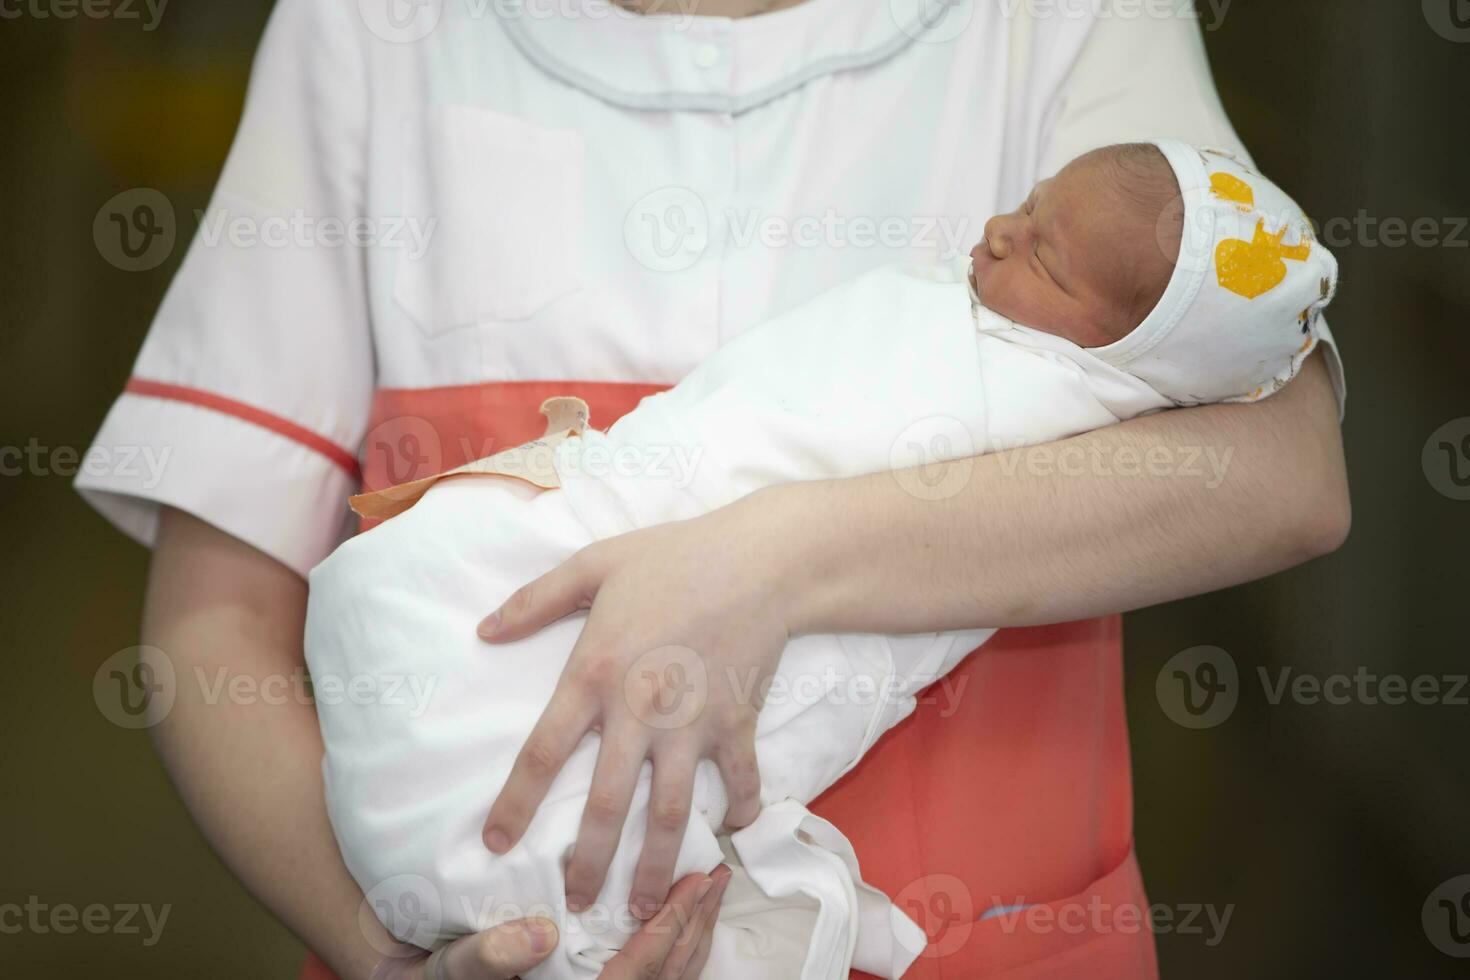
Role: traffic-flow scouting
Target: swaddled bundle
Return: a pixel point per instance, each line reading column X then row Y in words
column 899, row 367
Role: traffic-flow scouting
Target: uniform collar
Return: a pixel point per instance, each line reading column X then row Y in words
column 717, row 64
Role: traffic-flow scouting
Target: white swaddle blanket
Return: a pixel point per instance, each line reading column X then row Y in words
column 891, row 370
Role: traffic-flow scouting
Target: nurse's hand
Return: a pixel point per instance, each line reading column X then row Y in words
column 687, row 624
column 674, row 945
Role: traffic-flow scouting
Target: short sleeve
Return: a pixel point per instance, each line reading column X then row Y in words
column 1140, row 78
column 252, row 390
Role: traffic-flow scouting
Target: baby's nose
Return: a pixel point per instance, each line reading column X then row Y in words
column 998, row 236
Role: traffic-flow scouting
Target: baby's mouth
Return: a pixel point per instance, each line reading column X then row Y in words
column 974, row 284
column 980, row 253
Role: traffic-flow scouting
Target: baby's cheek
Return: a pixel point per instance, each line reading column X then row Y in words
column 995, row 290
column 1043, row 306
column 1014, row 299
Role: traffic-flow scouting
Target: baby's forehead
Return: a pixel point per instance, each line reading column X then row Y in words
column 1138, row 172
column 1089, row 201
column 1118, row 194
column 1113, row 224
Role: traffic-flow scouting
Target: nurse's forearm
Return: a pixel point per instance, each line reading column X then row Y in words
column 1150, row 510
column 248, row 765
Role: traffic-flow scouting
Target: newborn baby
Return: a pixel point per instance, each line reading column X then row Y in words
column 1139, row 278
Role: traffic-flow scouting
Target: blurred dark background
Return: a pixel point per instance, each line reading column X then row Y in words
column 1323, row 829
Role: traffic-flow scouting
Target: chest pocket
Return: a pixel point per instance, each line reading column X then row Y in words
column 505, row 199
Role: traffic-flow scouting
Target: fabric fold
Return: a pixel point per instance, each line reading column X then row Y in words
column 788, row 850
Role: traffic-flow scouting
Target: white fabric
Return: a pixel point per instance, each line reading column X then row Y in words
column 1242, row 309
column 854, row 382
column 535, row 176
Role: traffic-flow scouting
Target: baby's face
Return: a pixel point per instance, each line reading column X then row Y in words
column 1074, row 260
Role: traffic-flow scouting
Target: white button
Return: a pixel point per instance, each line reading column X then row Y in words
column 707, row 56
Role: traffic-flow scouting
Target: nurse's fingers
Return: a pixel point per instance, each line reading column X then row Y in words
column 742, row 778
column 566, row 719
column 619, row 764
column 644, row 955
column 706, row 941
column 499, row 953
column 570, row 586
column 668, row 818
column 691, row 950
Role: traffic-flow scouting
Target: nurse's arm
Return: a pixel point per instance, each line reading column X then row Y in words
column 1057, row 533
column 1078, row 528
column 249, row 771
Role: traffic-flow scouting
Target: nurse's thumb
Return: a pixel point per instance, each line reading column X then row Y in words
column 500, row 953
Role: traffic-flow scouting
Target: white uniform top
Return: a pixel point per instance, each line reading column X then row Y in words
column 607, row 197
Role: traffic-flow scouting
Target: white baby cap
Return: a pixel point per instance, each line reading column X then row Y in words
column 1241, row 311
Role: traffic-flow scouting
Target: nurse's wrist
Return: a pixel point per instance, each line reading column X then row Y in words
column 800, row 526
